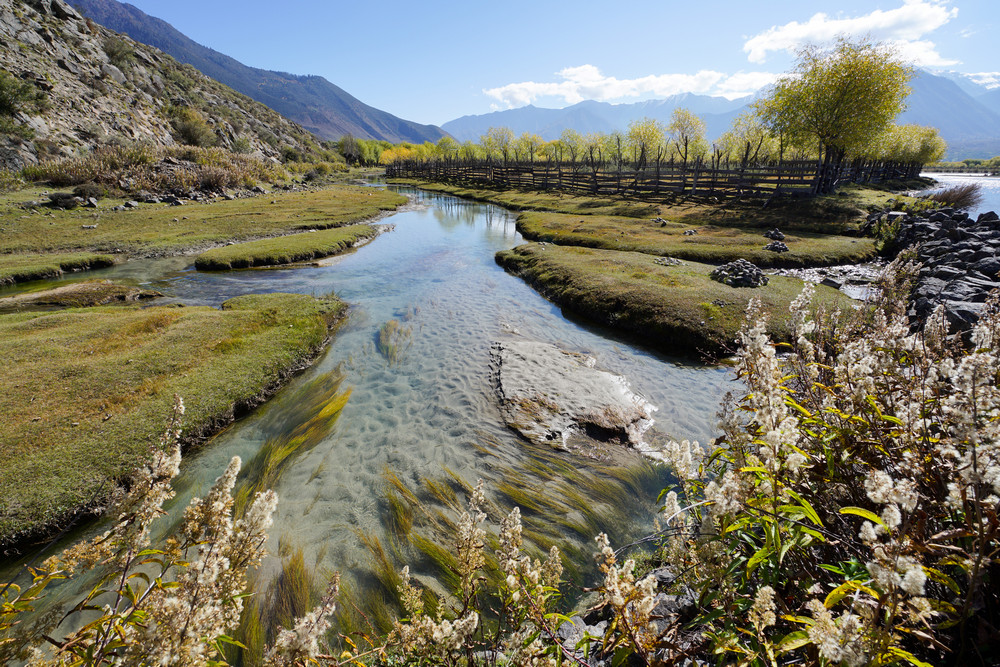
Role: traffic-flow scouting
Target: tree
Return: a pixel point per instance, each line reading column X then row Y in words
column 748, row 139
column 349, row 148
column 526, row 146
column 447, row 147
column 687, row 134
column 572, row 144
column 645, row 138
column 840, row 100
column 498, row 141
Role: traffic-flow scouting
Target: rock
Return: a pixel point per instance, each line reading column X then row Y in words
column 774, row 235
column 89, row 226
column 740, row 273
column 549, row 395
column 776, row 246
column 109, row 71
column 64, row 200
column 989, row 216
column 690, row 232
column 91, row 202
column 667, row 261
column 131, row 203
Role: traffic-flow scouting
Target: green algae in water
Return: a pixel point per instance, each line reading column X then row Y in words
column 394, row 339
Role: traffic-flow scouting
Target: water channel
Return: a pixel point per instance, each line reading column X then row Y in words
column 431, row 415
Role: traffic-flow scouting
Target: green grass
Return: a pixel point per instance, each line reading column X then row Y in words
column 22, row 268
column 285, row 249
column 677, row 309
column 832, row 214
column 159, row 229
column 713, row 244
column 82, row 294
column 87, row 391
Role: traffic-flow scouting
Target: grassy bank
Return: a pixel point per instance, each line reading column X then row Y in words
column 84, row 294
column 285, row 249
column 21, row 268
column 677, row 309
column 87, row 391
column 831, row 214
column 712, row 244
column 160, row 229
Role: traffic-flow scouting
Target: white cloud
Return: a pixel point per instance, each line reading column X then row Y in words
column 990, row 80
column 903, row 27
column 586, row 82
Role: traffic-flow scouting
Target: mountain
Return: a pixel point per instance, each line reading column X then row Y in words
column 590, row 116
column 969, row 123
column 971, row 129
column 101, row 87
column 312, row 101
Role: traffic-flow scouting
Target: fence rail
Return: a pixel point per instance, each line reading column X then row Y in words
column 654, row 181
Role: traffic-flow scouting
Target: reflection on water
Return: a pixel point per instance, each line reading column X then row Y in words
column 429, row 413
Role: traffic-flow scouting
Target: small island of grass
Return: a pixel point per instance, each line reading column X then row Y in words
column 285, row 249
column 677, row 309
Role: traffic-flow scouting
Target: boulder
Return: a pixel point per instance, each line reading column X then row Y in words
column 552, row 397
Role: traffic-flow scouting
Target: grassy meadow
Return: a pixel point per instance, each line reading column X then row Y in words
column 712, row 244
column 87, row 390
column 33, row 240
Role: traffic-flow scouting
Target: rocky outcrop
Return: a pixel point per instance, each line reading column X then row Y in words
column 739, row 273
column 547, row 395
column 960, row 262
column 101, row 87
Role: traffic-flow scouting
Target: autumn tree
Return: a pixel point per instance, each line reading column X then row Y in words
column 748, row 139
column 840, row 99
column 645, row 138
column 499, row 141
column 686, row 132
column 526, row 147
column 573, row 144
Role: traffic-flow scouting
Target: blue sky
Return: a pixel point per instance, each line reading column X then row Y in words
column 434, row 61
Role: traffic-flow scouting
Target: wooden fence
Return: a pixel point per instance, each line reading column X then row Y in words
column 654, row 182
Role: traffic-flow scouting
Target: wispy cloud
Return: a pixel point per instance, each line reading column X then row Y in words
column 989, row 79
column 586, row 82
column 903, row 27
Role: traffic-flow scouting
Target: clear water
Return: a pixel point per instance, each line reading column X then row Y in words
column 434, row 410
column 989, row 186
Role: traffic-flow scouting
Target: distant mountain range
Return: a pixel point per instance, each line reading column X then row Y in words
column 311, row 101
column 966, row 114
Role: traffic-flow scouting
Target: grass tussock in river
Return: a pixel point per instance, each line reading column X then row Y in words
column 712, row 244
column 85, row 390
column 285, row 249
column 678, row 309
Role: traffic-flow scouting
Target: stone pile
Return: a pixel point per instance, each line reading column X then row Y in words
column 776, row 246
column 740, row 273
column 774, row 235
column 960, row 260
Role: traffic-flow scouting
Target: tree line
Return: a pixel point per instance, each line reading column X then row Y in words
column 837, row 106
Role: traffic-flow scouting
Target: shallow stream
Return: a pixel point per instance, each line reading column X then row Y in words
column 430, row 414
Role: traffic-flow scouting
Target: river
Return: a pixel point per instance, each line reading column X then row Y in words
column 989, row 186
column 430, row 418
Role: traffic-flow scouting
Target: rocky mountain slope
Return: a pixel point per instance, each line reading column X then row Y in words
column 311, row 101
column 98, row 87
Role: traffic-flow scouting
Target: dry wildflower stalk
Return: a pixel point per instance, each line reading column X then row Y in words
column 174, row 604
column 853, row 509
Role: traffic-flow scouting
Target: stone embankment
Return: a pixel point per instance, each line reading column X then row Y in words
column 960, row 261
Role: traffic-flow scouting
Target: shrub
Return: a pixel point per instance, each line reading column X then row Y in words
column 848, row 514
column 242, row 146
column 964, row 196
column 119, row 51
column 18, row 96
column 192, row 128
